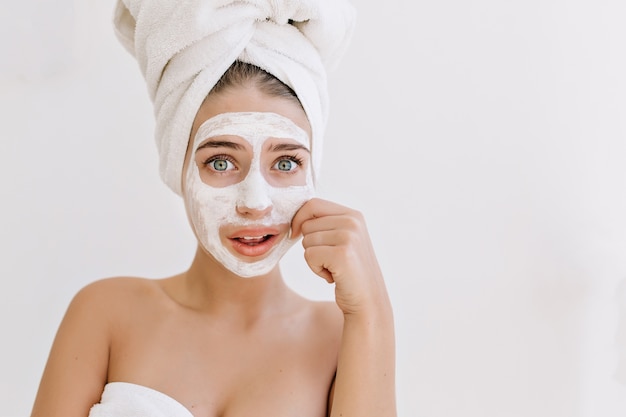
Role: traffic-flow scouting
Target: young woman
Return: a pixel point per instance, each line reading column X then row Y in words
column 227, row 337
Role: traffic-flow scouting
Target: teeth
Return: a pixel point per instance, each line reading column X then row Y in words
column 252, row 238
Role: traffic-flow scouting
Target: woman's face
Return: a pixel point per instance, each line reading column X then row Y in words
column 247, row 172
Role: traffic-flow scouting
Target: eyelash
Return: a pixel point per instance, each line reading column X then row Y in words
column 293, row 158
column 219, row 157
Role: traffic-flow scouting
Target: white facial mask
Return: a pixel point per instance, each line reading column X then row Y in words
column 211, row 208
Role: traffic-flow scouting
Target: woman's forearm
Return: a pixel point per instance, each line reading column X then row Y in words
column 365, row 382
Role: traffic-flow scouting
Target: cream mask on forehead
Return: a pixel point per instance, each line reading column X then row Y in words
column 211, row 208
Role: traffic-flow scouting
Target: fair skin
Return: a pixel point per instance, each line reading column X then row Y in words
column 226, row 346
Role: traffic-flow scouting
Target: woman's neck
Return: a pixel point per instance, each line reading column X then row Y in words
column 210, row 288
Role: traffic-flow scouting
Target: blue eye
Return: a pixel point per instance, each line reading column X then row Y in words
column 286, row 164
column 220, row 165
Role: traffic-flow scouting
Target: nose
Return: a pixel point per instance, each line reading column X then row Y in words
column 253, row 200
column 252, row 213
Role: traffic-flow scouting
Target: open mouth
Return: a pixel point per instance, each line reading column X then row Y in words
column 253, row 240
column 256, row 241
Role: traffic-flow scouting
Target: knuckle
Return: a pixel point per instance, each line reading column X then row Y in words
column 357, row 214
column 354, row 222
column 350, row 237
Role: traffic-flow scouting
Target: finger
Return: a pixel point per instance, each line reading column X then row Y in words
column 331, row 222
column 312, row 209
column 325, row 238
column 315, row 257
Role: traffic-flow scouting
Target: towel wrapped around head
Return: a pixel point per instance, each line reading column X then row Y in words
column 183, row 47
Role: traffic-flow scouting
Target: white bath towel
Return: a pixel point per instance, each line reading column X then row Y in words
column 123, row 399
column 184, row 46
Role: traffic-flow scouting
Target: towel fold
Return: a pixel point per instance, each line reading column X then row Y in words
column 184, row 47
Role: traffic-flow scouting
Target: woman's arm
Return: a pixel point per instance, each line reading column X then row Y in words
column 365, row 382
column 338, row 248
column 76, row 370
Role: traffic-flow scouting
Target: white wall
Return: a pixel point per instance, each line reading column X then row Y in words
column 485, row 141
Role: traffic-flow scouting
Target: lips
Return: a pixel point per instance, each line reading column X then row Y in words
column 254, row 242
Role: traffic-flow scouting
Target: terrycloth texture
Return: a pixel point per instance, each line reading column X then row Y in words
column 122, row 399
column 184, row 47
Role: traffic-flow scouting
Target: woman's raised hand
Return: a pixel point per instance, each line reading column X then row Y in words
column 337, row 247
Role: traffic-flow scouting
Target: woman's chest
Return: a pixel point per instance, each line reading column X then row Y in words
column 121, row 399
column 212, row 371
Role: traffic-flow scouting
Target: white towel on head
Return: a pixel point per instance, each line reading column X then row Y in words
column 184, row 46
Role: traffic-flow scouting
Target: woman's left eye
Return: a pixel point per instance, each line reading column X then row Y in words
column 286, row 165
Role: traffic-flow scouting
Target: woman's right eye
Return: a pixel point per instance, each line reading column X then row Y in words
column 220, row 164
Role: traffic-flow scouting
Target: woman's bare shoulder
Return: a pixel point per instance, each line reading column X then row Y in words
column 328, row 310
column 116, row 289
column 327, row 316
column 78, row 363
column 105, row 297
column 122, row 283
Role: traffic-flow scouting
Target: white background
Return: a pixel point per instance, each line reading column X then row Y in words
column 485, row 141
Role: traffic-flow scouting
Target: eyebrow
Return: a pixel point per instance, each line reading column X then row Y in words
column 281, row 147
column 214, row 143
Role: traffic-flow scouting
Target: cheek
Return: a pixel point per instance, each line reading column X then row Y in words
column 287, row 201
column 207, row 206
